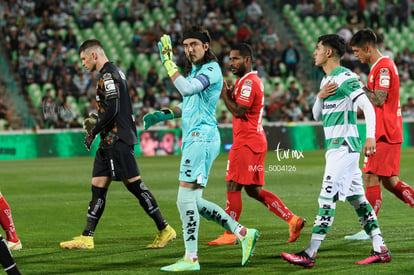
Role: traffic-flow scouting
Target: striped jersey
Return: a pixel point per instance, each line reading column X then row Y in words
column 339, row 111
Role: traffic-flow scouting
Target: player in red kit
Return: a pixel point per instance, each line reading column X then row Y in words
column 245, row 166
column 382, row 89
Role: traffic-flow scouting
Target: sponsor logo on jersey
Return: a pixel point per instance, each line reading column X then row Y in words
column 109, row 85
column 329, row 105
column 248, row 82
column 384, row 81
column 245, row 92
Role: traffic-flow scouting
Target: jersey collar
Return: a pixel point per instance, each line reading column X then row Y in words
column 249, row 73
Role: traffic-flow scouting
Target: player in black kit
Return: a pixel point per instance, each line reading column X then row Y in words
column 115, row 158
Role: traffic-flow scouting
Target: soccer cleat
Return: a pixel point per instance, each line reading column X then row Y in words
column 299, row 258
column 360, row 236
column 377, row 257
column 79, row 242
column 225, row 239
column 295, row 227
column 14, row 246
column 163, row 237
column 182, row 265
column 248, row 244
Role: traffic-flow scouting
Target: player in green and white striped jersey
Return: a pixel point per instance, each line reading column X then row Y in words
column 336, row 105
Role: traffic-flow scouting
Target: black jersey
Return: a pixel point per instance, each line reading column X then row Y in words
column 113, row 97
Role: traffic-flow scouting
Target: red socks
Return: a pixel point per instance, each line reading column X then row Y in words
column 6, row 221
column 404, row 192
column 374, row 197
column 234, row 205
column 274, row 204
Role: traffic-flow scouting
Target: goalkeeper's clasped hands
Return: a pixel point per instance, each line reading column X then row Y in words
column 166, row 54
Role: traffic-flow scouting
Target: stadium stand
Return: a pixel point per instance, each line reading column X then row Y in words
column 41, row 40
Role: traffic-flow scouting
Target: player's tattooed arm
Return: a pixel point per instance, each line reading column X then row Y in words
column 376, row 97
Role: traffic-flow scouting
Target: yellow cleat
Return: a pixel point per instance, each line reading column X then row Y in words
column 79, row 242
column 14, row 246
column 163, row 237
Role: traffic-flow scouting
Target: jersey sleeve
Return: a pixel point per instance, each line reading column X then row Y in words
column 109, row 86
column 382, row 78
column 246, row 93
column 209, row 74
column 352, row 88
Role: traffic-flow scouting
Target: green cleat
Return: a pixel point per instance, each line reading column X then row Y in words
column 360, row 236
column 182, row 265
column 248, row 245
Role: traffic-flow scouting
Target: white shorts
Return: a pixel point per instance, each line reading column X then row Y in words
column 342, row 174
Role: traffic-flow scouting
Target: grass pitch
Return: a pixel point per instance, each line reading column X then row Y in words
column 49, row 199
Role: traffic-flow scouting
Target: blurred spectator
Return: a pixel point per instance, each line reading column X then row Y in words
column 60, row 18
column 404, row 11
column 68, row 116
column 70, row 41
column 291, row 58
column 254, row 11
column 121, row 13
column 410, row 104
column 81, row 82
column 355, row 19
column 270, row 37
column 331, row 8
column 243, row 32
column 305, row 8
column 224, row 117
column 5, row 113
column 149, row 99
column 97, row 13
column 292, row 93
column 277, row 91
column 163, row 101
column 374, row 13
column 293, row 112
column 152, row 77
column 275, row 67
column 390, row 11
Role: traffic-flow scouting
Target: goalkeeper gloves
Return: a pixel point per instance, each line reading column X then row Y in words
column 166, row 55
column 90, row 122
column 89, row 138
column 157, row 116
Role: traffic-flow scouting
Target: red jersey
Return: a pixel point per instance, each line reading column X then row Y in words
column 248, row 130
column 384, row 76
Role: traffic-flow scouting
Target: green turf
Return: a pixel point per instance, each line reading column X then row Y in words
column 49, row 199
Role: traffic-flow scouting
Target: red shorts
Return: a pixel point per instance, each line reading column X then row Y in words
column 386, row 161
column 245, row 166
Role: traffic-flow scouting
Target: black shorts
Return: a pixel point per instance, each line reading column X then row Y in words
column 117, row 162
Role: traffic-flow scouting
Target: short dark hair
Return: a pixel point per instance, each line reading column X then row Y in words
column 364, row 37
column 333, row 41
column 244, row 49
column 89, row 44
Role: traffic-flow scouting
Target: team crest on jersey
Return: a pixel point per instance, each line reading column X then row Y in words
column 107, row 76
column 384, row 71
